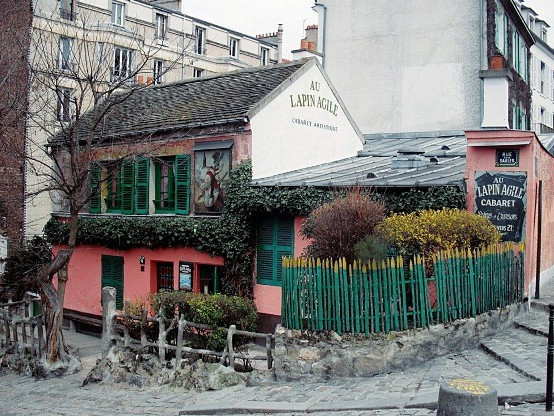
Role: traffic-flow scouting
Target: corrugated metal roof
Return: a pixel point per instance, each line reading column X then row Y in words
column 445, row 154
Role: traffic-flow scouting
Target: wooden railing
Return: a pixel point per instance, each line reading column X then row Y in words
column 21, row 333
column 390, row 295
column 116, row 330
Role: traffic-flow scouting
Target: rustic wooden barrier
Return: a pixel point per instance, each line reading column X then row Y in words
column 113, row 321
column 19, row 332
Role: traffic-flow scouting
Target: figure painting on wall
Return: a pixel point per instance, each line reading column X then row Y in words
column 211, row 172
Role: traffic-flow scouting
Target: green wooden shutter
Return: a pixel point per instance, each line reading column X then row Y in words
column 95, row 177
column 112, row 275
column 127, row 188
column 275, row 240
column 182, row 184
column 143, row 185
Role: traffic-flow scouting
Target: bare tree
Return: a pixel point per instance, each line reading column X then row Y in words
column 78, row 73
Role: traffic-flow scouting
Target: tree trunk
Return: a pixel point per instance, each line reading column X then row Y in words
column 53, row 299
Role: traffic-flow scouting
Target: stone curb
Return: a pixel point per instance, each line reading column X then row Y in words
column 530, row 392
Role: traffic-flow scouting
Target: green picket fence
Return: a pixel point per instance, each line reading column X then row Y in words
column 390, row 295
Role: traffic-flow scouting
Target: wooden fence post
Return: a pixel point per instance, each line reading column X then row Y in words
column 230, row 349
column 161, row 336
column 108, row 314
column 179, row 349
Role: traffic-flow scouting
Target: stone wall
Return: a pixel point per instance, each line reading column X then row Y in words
column 322, row 355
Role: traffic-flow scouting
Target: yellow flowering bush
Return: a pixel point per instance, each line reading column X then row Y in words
column 426, row 232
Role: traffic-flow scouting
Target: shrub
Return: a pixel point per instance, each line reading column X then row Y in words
column 337, row 226
column 371, row 247
column 213, row 310
column 22, row 267
column 427, row 232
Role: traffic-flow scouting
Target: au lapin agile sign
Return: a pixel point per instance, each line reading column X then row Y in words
column 502, row 198
column 315, row 100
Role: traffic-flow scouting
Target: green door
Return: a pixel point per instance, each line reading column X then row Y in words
column 112, row 275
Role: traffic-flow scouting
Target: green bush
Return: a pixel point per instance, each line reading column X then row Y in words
column 22, row 267
column 213, row 310
column 371, row 247
column 427, row 232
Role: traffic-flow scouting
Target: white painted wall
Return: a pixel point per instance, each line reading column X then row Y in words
column 280, row 143
column 406, row 65
column 544, row 99
column 495, row 97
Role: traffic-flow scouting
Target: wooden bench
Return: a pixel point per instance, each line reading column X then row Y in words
column 82, row 322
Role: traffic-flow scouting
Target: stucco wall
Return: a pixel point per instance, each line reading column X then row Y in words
column 268, row 298
column 304, row 125
column 406, row 66
column 85, row 274
column 538, row 164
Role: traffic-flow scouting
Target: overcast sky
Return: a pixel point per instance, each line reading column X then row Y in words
column 258, row 16
column 262, row 16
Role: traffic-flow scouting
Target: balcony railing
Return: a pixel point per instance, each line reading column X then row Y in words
column 540, row 128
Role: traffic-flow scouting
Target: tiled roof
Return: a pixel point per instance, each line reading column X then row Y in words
column 445, row 157
column 197, row 102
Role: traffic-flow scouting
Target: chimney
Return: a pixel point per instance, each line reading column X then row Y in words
column 279, row 42
column 495, row 95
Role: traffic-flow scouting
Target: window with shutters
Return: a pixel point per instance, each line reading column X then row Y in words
column 275, row 240
column 123, row 186
column 112, row 275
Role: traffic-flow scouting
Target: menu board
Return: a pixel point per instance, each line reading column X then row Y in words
column 502, row 198
column 185, row 276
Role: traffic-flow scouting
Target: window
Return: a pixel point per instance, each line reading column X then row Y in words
column 519, row 58
column 164, row 276
column 500, row 31
column 264, row 56
column 172, row 184
column 123, row 59
column 197, row 72
column 112, row 275
column 159, row 71
column 65, row 98
column 65, row 60
column 124, row 187
column 127, row 186
column 161, row 26
column 234, row 47
column 520, row 121
column 200, row 41
column 101, row 52
column 67, row 9
column 275, row 240
column 543, row 77
column 117, row 13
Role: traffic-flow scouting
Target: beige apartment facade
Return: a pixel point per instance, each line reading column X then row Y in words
column 83, row 50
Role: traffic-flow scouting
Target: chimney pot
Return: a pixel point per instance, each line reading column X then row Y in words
column 304, row 44
column 311, row 46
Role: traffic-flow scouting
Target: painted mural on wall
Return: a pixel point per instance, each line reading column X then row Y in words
column 211, row 173
column 502, row 198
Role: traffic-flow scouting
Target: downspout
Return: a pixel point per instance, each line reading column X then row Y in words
column 483, row 26
column 322, row 29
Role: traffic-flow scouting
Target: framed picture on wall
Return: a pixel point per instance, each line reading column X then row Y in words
column 185, row 276
column 211, row 172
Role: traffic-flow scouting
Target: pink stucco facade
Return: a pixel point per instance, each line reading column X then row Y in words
column 85, row 273
column 538, row 165
column 268, row 298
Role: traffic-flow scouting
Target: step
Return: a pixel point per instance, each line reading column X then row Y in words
column 523, row 351
column 536, row 322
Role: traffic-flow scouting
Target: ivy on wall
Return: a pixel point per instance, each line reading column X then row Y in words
column 232, row 234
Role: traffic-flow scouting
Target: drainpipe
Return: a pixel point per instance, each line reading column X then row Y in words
column 321, row 10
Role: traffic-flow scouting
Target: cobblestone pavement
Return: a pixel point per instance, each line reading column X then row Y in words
column 512, row 359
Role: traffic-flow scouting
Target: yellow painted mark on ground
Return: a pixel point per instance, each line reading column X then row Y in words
column 470, row 386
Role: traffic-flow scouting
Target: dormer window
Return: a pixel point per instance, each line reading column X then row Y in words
column 543, row 34
column 234, row 47
column 200, row 41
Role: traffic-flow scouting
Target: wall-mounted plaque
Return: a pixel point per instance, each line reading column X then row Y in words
column 502, row 198
column 507, row 157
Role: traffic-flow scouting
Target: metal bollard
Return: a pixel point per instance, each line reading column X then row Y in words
column 550, row 358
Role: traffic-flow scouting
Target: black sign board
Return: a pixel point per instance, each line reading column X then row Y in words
column 501, row 197
column 507, row 157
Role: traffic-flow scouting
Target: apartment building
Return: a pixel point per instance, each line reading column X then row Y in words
column 422, row 66
column 83, row 50
column 542, row 70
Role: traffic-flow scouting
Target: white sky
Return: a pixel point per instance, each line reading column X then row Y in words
column 262, row 16
column 254, row 17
